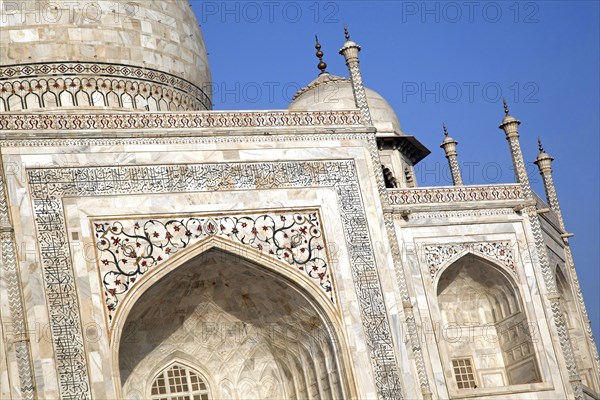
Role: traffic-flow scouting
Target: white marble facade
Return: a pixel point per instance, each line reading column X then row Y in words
column 261, row 254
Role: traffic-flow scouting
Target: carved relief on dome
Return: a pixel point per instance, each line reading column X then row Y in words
column 37, row 86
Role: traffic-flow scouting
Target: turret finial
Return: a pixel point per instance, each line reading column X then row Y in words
column 322, row 65
column 346, row 33
column 505, row 106
column 445, row 130
column 540, row 145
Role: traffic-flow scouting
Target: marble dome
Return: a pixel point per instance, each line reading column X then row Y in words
column 330, row 92
column 140, row 55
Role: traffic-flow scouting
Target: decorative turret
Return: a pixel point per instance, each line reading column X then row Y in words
column 544, row 163
column 510, row 125
column 350, row 52
column 449, row 146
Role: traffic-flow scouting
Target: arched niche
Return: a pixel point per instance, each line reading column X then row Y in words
column 485, row 338
column 251, row 331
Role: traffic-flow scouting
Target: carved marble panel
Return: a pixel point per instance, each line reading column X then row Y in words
column 128, row 249
column 49, row 186
column 439, row 254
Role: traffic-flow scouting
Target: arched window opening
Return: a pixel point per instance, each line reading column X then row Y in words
column 390, row 181
column 486, row 338
column 179, row 383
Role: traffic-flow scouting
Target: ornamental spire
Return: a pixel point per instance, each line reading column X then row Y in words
column 350, row 52
column 510, row 126
column 321, row 65
column 544, row 164
column 449, row 146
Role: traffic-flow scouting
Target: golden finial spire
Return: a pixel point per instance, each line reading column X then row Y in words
column 540, row 145
column 322, row 65
column 505, row 106
column 445, row 130
column 346, row 33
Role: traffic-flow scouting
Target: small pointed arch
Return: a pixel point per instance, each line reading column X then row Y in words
column 83, row 98
column 66, row 98
column 113, row 99
column 152, row 104
column 98, row 99
column 163, row 105
column 15, row 102
column 227, row 389
column 179, row 380
column 127, row 100
column 140, row 102
column 271, row 384
column 49, row 98
column 32, row 100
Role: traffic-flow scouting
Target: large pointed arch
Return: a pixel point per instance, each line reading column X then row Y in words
column 485, row 339
column 271, row 269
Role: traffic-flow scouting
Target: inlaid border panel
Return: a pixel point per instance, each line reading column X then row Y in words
column 49, row 186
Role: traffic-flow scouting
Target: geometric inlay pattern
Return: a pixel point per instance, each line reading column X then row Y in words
column 186, row 120
column 457, row 194
column 48, row 186
column 128, row 249
column 438, row 254
column 74, row 83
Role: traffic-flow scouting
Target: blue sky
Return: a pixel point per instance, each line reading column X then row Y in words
column 442, row 61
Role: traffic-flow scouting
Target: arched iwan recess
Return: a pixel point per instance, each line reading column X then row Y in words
column 253, row 333
column 485, row 336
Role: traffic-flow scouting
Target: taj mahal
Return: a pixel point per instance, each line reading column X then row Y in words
column 154, row 248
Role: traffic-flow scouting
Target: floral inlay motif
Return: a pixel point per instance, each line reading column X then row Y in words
column 128, row 249
column 436, row 255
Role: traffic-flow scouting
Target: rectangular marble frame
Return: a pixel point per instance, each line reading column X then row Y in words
column 490, row 226
column 168, row 154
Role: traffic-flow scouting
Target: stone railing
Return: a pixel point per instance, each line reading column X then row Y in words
column 454, row 194
column 93, row 121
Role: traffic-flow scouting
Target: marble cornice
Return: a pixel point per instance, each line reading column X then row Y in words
column 409, row 200
column 87, row 123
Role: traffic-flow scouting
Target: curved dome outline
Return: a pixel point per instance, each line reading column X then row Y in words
column 152, row 59
column 332, row 92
